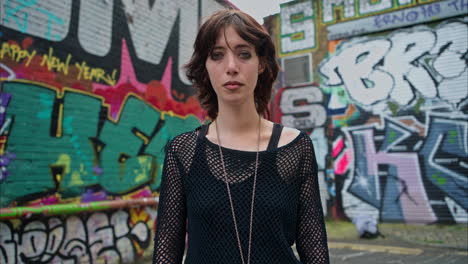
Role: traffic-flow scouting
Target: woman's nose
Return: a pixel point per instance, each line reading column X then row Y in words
column 232, row 67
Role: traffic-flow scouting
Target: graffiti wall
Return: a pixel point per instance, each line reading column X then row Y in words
column 91, row 91
column 395, row 142
column 407, row 134
column 102, row 237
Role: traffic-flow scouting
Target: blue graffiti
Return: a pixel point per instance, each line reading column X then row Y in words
column 445, row 157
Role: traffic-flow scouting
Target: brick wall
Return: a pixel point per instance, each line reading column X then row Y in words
column 385, row 102
column 91, row 92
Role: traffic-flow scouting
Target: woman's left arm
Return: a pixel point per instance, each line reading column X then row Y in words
column 311, row 236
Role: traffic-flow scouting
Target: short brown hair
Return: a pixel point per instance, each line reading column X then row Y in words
column 249, row 30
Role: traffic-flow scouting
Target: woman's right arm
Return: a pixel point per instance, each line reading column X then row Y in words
column 169, row 241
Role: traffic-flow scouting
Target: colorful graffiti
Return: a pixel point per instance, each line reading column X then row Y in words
column 302, row 108
column 90, row 94
column 89, row 100
column 352, row 9
column 388, row 110
column 399, row 108
column 113, row 237
column 89, row 148
column 297, row 32
column 402, row 67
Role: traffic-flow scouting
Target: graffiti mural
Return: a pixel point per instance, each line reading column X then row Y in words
column 91, row 148
column 353, row 9
column 91, row 92
column 398, row 103
column 115, row 237
column 102, row 87
column 303, row 108
column 400, row 68
column 297, row 27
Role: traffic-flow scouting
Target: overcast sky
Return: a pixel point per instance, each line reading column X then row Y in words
column 259, row 8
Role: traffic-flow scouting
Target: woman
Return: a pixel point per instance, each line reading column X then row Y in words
column 247, row 187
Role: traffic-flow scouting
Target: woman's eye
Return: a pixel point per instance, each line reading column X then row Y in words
column 245, row 55
column 216, row 56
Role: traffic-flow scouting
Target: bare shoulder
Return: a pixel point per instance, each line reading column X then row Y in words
column 287, row 135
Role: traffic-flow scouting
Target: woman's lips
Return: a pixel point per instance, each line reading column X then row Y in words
column 232, row 85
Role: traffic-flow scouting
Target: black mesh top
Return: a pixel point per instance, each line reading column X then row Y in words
column 287, row 204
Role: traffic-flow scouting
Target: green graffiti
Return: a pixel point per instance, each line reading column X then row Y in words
column 172, row 126
column 391, row 136
column 440, row 180
column 394, row 107
column 65, row 144
column 79, row 123
column 452, row 136
column 29, row 139
column 119, row 156
column 338, row 93
column 419, row 103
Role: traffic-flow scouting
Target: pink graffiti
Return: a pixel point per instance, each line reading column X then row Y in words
column 127, row 83
column 45, row 201
column 415, row 208
column 142, row 194
column 156, row 92
column 166, row 79
column 342, row 163
column 337, row 147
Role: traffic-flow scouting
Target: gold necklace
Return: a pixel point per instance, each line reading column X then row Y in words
column 230, row 197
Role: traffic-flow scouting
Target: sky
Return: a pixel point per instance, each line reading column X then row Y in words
column 259, row 8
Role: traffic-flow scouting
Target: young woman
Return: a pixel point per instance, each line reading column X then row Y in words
column 248, row 187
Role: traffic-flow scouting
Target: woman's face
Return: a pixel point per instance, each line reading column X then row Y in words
column 233, row 67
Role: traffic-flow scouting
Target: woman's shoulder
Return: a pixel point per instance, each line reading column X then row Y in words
column 288, row 135
column 183, row 141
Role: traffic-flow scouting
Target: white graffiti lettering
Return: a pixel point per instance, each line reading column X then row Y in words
column 349, row 7
column 101, row 238
column 327, row 7
column 46, row 21
column 150, row 24
column 297, row 27
column 369, row 6
column 158, row 20
column 95, row 30
column 400, row 64
column 423, row 61
column 356, row 67
column 301, row 108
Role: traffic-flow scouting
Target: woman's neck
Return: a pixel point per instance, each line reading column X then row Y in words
column 239, row 120
column 239, row 129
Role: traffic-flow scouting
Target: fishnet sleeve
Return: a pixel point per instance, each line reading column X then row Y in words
column 171, row 221
column 311, row 240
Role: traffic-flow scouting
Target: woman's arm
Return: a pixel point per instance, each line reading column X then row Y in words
column 311, row 238
column 169, row 241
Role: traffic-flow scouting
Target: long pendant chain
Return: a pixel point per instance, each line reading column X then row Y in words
column 230, row 197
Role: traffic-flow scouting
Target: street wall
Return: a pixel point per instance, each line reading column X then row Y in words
column 91, row 91
column 385, row 101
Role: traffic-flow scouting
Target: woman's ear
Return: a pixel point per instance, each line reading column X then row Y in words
column 261, row 67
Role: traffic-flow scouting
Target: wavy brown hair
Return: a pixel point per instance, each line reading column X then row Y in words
column 249, row 30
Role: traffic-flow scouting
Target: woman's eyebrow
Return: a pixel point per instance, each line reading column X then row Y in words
column 241, row 46
column 238, row 46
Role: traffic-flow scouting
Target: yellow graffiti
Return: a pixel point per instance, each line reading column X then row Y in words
column 138, row 215
column 96, row 74
column 65, row 161
column 145, row 163
column 55, row 63
column 16, row 53
column 297, row 36
column 3, row 140
column 143, row 137
column 76, row 176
